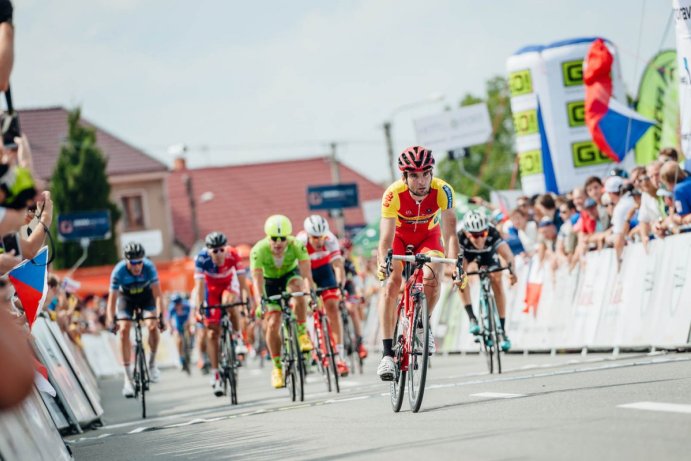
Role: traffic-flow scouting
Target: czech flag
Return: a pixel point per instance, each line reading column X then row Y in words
column 30, row 282
column 615, row 128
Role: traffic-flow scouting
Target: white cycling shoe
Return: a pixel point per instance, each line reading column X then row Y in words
column 154, row 374
column 386, row 369
column 218, row 388
column 240, row 347
column 127, row 390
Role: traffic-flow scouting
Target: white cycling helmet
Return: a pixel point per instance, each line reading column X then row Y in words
column 475, row 221
column 316, row 226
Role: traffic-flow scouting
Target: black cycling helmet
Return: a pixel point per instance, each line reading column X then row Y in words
column 215, row 240
column 134, row 250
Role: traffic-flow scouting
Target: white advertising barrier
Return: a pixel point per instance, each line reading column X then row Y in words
column 69, row 390
column 682, row 15
column 102, row 351
column 28, row 433
column 644, row 303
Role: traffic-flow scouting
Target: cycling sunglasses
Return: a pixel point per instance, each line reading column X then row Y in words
column 279, row 239
column 136, row 262
column 480, row 234
column 217, row 250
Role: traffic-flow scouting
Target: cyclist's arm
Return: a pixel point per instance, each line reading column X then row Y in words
column 258, row 280
column 158, row 297
column 339, row 270
column 448, row 231
column 306, row 273
column 199, row 290
column 110, row 306
column 242, row 280
column 387, row 228
column 506, row 254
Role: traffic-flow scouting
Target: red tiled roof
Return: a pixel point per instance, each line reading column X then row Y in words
column 46, row 129
column 245, row 195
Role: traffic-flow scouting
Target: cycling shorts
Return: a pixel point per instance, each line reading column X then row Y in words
column 489, row 259
column 427, row 243
column 126, row 311
column 277, row 286
column 324, row 277
column 215, row 295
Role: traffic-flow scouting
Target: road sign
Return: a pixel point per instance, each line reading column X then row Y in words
column 464, row 127
column 92, row 225
column 332, row 196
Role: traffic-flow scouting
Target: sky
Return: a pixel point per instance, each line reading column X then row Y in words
column 241, row 82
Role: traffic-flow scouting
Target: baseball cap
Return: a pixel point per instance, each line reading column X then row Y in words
column 589, row 203
column 613, row 184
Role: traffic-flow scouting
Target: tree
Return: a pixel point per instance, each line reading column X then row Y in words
column 80, row 183
column 493, row 162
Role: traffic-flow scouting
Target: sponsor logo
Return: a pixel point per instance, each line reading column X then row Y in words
column 387, row 199
column 572, row 72
column 683, row 13
column 449, row 197
column 585, row 153
column 530, row 162
column 520, row 83
column 576, row 113
column 408, row 213
column 525, row 122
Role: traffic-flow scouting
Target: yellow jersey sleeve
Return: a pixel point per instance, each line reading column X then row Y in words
column 390, row 202
column 445, row 194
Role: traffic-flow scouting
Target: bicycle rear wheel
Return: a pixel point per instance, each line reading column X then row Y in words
column 231, row 370
column 141, row 375
column 330, row 354
column 419, row 355
column 321, row 353
column 495, row 333
column 486, row 336
column 397, row 386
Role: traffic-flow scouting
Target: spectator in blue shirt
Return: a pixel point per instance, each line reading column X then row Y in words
column 676, row 180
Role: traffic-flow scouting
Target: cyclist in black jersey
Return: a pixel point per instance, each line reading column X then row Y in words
column 482, row 246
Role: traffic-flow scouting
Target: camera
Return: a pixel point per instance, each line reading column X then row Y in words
column 11, row 242
column 9, row 123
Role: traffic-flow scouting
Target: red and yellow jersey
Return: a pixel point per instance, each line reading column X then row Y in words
column 417, row 217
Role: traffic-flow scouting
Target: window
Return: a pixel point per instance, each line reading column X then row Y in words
column 133, row 212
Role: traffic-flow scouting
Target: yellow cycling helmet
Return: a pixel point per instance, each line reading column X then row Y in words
column 278, row 226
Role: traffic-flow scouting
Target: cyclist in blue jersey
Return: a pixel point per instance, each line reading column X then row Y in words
column 134, row 283
column 179, row 319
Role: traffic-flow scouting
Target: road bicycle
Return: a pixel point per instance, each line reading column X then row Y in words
column 324, row 352
column 350, row 344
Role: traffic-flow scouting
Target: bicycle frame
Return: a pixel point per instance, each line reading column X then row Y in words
column 413, row 287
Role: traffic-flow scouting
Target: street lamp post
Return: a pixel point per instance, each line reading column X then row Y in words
column 434, row 97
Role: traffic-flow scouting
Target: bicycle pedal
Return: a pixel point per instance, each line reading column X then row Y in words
column 476, row 340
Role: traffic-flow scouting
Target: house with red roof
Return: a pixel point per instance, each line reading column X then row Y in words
column 237, row 199
column 137, row 180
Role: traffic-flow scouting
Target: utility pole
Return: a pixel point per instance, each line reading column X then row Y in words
column 389, row 149
column 336, row 214
column 187, row 179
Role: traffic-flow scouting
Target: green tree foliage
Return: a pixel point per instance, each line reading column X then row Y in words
column 492, row 163
column 80, row 183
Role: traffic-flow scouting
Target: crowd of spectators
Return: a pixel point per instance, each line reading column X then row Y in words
column 651, row 201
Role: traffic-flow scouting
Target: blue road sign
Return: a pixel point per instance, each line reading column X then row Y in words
column 332, row 196
column 92, row 225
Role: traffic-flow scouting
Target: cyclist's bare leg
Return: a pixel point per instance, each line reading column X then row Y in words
column 354, row 311
column 154, row 337
column 294, row 285
column 465, row 294
column 334, row 319
column 272, row 323
column 125, row 343
column 387, row 302
column 498, row 289
column 432, row 277
column 178, row 341
column 212, row 334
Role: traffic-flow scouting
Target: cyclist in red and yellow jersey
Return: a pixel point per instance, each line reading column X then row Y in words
column 417, row 210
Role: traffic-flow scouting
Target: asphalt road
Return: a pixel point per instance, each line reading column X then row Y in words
column 542, row 407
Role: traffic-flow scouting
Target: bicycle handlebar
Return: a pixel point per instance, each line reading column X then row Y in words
column 223, row 306
column 286, row 295
column 421, row 259
column 484, row 271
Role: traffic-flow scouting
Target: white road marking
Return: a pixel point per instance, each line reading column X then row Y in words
column 658, row 406
column 137, row 430
column 362, row 397
column 496, row 395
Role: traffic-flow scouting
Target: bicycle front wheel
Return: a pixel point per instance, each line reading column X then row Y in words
column 231, row 368
column 320, row 353
column 289, row 356
column 299, row 365
column 419, row 355
column 495, row 331
column 141, row 375
column 330, row 354
column 397, row 387
column 486, row 335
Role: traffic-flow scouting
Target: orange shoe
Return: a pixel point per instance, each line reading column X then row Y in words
column 342, row 368
column 362, row 351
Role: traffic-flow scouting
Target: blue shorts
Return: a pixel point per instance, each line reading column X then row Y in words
column 126, row 312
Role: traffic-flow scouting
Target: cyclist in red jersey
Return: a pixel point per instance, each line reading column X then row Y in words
column 417, row 210
column 218, row 279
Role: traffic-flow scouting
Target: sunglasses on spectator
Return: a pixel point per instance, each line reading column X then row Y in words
column 478, row 235
column 136, row 262
column 279, row 239
column 218, row 250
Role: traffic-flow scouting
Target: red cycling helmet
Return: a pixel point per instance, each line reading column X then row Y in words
column 415, row 159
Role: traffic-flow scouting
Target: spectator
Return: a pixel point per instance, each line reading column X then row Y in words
column 649, row 211
column 548, row 233
column 567, row 239
column 671, row 154
column 547, row 208
column 623, row 202
column 578, row 196
column 593, row 189
column 675, row 179
column 525, row 228
column 591, row 230
column 523, row 203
